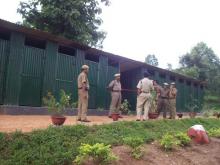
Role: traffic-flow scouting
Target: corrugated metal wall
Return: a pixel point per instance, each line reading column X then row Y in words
column 31, row 76
column 66, row 75
column 102, row 93
column 131, row 78
column 13, row 79
column 93, row 82
column 110, row 76
column 28, row 73
column 4, row 53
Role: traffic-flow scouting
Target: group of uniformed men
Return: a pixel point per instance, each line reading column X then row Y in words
column 165, row 99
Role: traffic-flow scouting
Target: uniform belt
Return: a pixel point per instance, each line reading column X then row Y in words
column 163, row 97
column 80, row 88
column 144, row 92
column 172, row 98
column 116, row 91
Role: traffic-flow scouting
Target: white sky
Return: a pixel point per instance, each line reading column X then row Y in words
column 166, row 28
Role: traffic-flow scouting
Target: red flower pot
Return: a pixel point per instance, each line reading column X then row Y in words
column 58, row 120
column 180, row 115
column 115, row 116
column 153, row 115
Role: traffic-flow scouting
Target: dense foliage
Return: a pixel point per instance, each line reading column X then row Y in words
column 203, row 64
column 74, row 19
column 59, row 145
column 151, row 59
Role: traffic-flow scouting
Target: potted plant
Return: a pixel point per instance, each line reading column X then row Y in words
column 153, row 114
column 125, row 107
column 57, row 108
column 180, row 115
column 115, row 115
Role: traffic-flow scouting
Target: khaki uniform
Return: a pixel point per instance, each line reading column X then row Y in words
column 163, row 103
column 115, row 87
column 83, row 96
column 144, row 98
column 172, row 101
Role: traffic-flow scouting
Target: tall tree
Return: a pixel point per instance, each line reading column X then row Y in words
column 151, row 60
column 74, row 19
column 202, row 63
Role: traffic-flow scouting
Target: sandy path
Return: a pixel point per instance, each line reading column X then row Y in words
column 10, row 123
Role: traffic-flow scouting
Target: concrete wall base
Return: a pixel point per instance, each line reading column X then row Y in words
column 25, row 110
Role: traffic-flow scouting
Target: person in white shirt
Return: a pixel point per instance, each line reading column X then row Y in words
column 145, row 86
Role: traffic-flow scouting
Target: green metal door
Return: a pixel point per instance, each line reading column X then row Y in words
column 180, row 96
column 187, row 94
column 111, row 71
column 93, row 82
column 66, row 75
column 31, row 76
column 4, row 51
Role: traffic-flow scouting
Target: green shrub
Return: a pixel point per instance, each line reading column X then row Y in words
column 136, row 144
column 214, row 132
column 133, row 142
column 99, row 152
column 207, row 113
column 125, row 107
column 169, row 142
column 183, row 139
column 57, row 107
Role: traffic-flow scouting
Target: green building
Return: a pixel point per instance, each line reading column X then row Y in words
column 33, row 62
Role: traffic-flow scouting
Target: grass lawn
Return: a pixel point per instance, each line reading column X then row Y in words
column 59, row 145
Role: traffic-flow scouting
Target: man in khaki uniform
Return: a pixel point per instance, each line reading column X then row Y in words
column 115, row 88
column 145, row 86
column 163, row 102
column 83, row 96
column 172, row 100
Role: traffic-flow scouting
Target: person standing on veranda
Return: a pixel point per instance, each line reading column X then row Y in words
column 144, row 87
column 163, row 100
column 83, row 94
column 172, row 100
column 115, row 88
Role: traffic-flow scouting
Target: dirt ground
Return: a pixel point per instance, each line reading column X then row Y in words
column 10, row 123
column 208, row 154
column 27, row 123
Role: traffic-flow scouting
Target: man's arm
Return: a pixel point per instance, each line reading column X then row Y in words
column 84, row 82
column 139, row 88
column 111, row 85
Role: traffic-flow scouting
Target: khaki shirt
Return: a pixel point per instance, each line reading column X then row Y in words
column 164, row 92
column 173, row 92
column 145, row 85
column 115, row 85
column 83, row 80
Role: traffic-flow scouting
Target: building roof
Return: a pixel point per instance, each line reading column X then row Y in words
column 125, row 63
